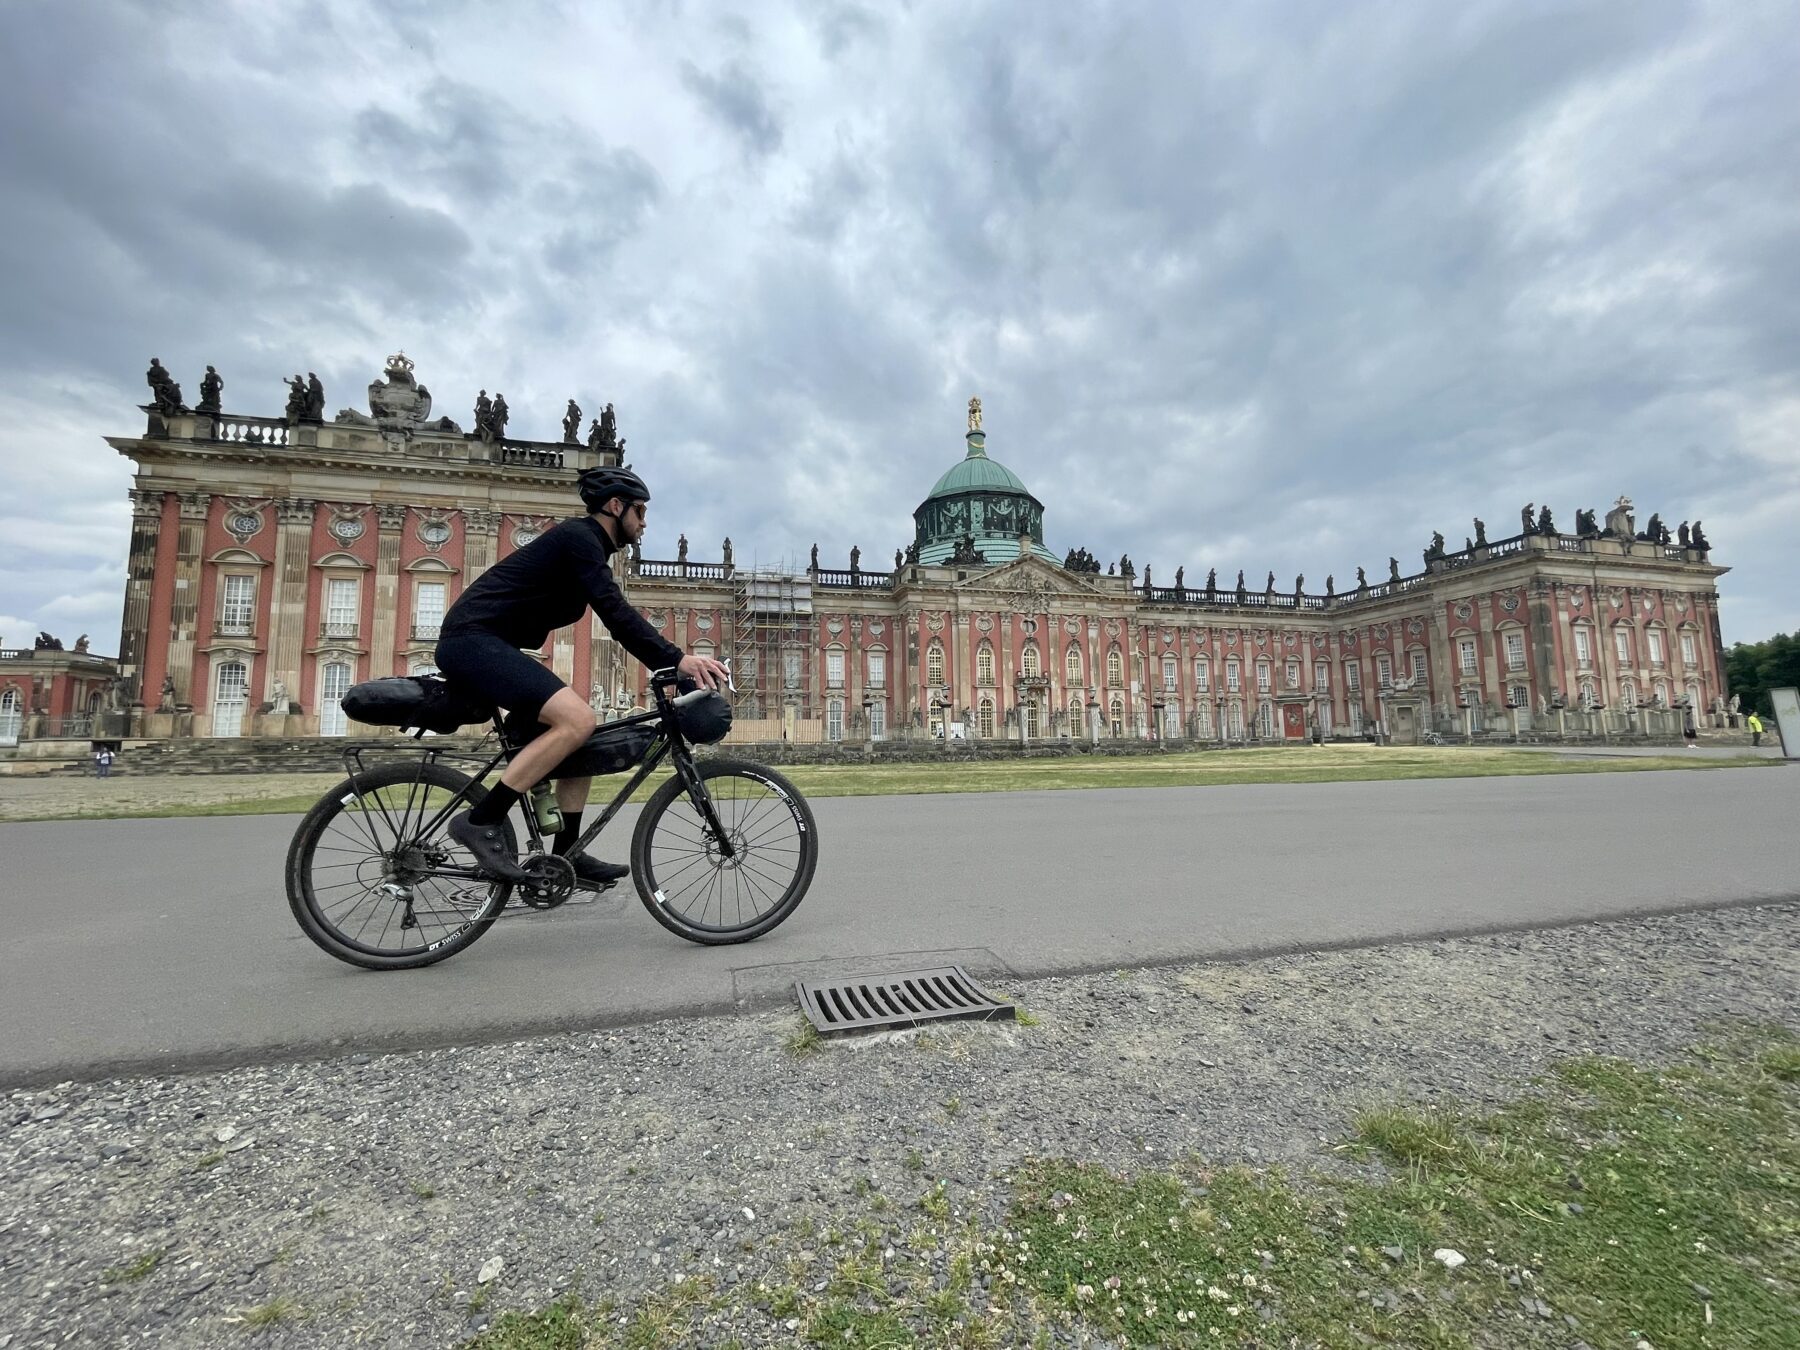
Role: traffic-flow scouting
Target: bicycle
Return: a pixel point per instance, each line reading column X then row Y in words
column 375, row 880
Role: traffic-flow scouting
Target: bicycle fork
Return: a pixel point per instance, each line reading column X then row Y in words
column 703, row 804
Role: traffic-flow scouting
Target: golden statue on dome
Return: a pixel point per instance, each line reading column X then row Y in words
column 974, row 414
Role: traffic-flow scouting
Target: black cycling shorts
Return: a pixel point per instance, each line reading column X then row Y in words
column 493, row 669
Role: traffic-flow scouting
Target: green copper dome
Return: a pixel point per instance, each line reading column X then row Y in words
column 977, row 473
column 979, row 504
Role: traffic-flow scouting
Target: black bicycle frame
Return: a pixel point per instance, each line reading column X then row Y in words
column 669, row 742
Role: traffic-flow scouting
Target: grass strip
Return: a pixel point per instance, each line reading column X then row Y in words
column 1617, row 1204
column 205, row 795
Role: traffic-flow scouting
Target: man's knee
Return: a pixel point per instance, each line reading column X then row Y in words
column 568, row 715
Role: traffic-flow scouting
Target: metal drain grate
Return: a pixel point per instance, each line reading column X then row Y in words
column 877, row 1002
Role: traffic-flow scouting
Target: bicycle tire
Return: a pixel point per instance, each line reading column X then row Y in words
column 795, row 830
column 308, row 896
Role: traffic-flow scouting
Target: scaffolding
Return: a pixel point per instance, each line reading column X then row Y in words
column 772, row 643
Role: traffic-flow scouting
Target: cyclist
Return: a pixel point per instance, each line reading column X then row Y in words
column 515, row 604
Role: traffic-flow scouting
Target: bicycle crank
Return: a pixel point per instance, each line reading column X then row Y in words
column 552, row 880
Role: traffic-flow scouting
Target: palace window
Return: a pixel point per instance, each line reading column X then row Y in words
column 878, row 719
column 1293, row 674
column 1262, row 677
column 1202, row 674
column 1654, row 639
column 1590, row 696
column 1519, row 696
column 834, row 668
column 1171, row 674
column 1031, row 722
column 340, row 611
column 1172, row 721
column 1231, row 675
column 834, row 719
column 1078, row 725
column 230, row 694
column 334, row 683
column 1118, row 717
column 1421, row 669
column 984, row 716
column 237, row 604
column 1515, row 650
column 1622, row 645
column 1072, row 666
column 12, row 716
column 1139, row 679
column 1115, row 668
column 1353, row 676
column 984, row 663
column 1687, row 650
column 1661, row 696
column 1234, row 721
column 878, row 669
column 1465, row 650
column 1028, row 660
column 1203, row 725
column 422, row 665
column 1265, row 720
column 1627, row 693
column 1322, row 677
column 1584, row 646
column 1384, row 670
column 934, row 666
column 428, row 610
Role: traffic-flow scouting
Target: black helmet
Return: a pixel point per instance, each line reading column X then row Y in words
column 601, row 485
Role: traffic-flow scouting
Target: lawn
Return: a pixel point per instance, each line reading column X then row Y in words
column 282, row 794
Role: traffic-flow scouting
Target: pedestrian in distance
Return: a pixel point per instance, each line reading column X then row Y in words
column 1755, row 724
column 103, row 758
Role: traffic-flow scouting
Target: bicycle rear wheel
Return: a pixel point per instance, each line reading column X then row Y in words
column 683, row 876
column 369, row 888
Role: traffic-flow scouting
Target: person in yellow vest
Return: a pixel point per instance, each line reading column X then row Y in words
column 1755, row 724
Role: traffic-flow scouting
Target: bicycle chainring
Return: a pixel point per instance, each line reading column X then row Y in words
column 552, row 881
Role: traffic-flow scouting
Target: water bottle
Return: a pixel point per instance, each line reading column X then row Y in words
column 544, row 807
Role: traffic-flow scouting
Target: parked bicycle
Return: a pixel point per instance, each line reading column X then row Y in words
column 723, row 850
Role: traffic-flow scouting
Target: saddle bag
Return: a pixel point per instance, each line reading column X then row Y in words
column 422, row 701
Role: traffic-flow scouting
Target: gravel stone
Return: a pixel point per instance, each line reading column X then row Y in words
column 374, row 1195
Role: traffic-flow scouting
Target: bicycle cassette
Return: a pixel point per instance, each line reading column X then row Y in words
column 552, row 881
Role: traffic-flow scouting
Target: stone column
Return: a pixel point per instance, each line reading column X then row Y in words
column 134, row 634
column 184, row 609
column 288, row 581
column 481, row 544
column 388, row 618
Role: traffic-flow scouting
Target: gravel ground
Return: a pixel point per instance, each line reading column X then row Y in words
column 370, row 1191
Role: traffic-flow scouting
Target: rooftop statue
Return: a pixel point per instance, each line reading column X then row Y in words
column 211, row 386
column 728, row 550
column 1212, row 578
column 314, row 409
column 1330, row 585
column 164, row 392
column 1546, row 523
column 974, row 414
column 1527, row 521
column 399, row 401
column 1362, row 580
column 296, row 399
column 609, row 429
column 1393, row 569
column 1299, row 583
column 572, row 423
column 484, row 416
column 855, row 558
column 1480, row 533
column 1180, row 574
column 499, row 417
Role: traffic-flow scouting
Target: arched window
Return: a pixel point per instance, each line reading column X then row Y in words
column 1627, row 691
column 1590, row 696
column 877, row 667
column 1172, row 720
column 934, row 665
column 1232, row 675
column 1584, row 646
column 1657, row 643
column 834, row 667
column 1031, row 722
column 984, row 716
column 12, row 716
column 230, row 694
column 1118, row 715
column 334, row 683
column 1203, row 724
column 1028, row 660
column 1072, row 666
column 834, row 719
column 1077, row 716
column 1171, row 673
column 1115, row 668
column 1262, row 677
column 984, row 663
column 1202, row 673
column 1265, row 720
column 1661, row 695
column 421, row 665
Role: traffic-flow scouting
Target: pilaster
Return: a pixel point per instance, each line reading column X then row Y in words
column 391, row 523
column 184, row 607
column 287, row 610
column 134, row 633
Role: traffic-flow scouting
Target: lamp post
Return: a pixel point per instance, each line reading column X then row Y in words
column 868, row 727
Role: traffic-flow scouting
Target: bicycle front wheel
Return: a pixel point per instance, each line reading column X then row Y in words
column 370, row 887
column 698, row 889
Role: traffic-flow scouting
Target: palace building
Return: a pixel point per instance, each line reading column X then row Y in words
column 276, row 561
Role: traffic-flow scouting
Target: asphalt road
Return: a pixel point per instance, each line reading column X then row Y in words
column 145, row 945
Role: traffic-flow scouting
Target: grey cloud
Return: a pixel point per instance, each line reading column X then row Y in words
column 735, row 98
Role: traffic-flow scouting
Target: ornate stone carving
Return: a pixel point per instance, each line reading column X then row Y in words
column 243, row 519
column 399, row 402
column 195, row 505
column 975, row 414
column 390, row 515
column 295, row 510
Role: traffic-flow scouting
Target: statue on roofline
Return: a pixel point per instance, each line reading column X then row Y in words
column 211, row 386
column 571, row 423
column 974, row 414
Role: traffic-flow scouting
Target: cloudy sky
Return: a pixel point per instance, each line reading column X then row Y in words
column 1264, row 285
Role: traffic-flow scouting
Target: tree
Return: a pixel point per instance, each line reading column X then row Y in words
column 1754, row 668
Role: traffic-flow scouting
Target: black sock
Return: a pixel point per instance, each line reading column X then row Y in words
column 570, row 832
column 493, row 807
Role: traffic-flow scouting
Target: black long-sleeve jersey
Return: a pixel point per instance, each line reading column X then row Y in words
column 549, row 584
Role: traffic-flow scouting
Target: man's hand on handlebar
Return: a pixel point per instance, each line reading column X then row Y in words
column 704, row 671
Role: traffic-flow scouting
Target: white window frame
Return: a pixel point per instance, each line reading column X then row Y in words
column 1264, row 674
column 934, row 665
column 1584, row 647
column 878, row 668
column 1233, row 675
column 227, row 712
column 1467, row 655
column 1203, row 673
column 984, row 663
column 1029, row 664
column 834, row 667
column 1421, row 668
column 428, row 617
column 1171, row 670
column 343, row 607
column 1657, row 647
column 332, row 721
column 1622, row 644
column 834, row 719
column 984, row 717
column 878, row 719
column 237, row 603
column 1384, row 670
column 1115, row 668
column 1072, row 666
column 1515, row 649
